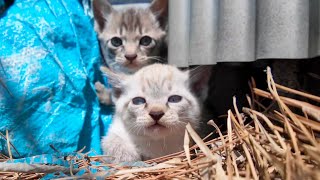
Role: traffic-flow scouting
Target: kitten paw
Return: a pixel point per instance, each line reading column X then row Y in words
column 104, row 94
column 119, row 150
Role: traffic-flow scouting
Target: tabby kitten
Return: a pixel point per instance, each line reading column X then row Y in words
column 152, row 108
column 130, row 38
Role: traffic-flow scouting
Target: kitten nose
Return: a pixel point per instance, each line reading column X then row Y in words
column 130, row 57
column 156, row 115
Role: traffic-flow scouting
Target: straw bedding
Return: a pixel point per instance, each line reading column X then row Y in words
column 262, row 142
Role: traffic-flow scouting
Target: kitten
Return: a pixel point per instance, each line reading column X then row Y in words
column 130, row 38
column 152, row 108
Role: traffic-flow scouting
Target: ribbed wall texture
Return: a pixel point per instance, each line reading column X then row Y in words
column 211, row 31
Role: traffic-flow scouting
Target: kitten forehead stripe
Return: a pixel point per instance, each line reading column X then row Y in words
column 130, row 21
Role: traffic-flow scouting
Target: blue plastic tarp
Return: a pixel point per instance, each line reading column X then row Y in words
column 68, row 162
column 49, row 61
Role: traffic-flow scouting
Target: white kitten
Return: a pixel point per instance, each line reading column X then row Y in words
column 153, row 106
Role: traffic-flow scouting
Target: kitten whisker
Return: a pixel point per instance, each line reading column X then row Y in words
column 164, row 143
column 121, row 60
column 157, row 58
column 180, row 124
column 198, row 71
column 113, row 63
column 131, row 129
column 135, row 129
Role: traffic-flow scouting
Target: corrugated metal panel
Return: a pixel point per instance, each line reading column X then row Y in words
column 211, row 31
column 178, row 46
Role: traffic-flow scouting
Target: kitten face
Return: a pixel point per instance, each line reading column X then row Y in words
column 156, row 101
column 129, row 38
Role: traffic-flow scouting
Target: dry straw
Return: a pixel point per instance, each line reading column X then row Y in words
column 262, row 142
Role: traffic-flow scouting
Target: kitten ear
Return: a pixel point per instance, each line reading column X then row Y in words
column 115, row 79
column 101, row 10
column 198, row 80
column 160, row 9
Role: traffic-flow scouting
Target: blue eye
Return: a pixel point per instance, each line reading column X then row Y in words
column 138, row 100
column 145, row 41
column 174, row 99
column 116, row 42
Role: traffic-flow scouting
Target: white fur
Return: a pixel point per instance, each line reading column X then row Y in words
column 132, row 136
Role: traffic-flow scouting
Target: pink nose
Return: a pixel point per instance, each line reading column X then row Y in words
column 130, row 57
column 156, row 115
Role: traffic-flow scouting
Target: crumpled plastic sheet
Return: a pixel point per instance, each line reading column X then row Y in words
column 49, row 61
column 52, row 162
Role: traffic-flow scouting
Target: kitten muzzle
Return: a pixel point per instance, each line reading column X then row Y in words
column 131, row 57
column 156, row 115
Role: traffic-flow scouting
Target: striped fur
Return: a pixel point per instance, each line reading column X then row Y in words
column 131, row 24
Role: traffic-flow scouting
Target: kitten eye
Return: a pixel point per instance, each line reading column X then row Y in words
column 116, row 41
column 174, row 99
column 145, row 41
column 138, row 100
